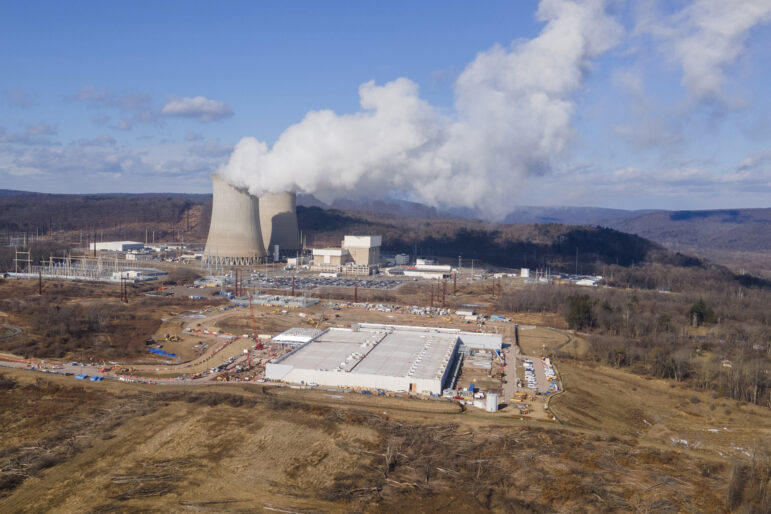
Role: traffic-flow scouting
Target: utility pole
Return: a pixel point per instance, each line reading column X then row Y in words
column 576, row 260
column 40, row 282
column 454, row 284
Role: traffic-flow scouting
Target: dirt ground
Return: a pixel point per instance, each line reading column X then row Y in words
column 624, row 442
column 84, row 321
column 107, row 447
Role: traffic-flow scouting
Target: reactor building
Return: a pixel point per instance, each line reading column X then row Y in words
column 244, row 229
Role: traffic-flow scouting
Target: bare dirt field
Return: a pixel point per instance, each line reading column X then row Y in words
column 83, row 321
column 103, row 447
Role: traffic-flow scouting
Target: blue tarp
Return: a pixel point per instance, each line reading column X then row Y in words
column 156, row 351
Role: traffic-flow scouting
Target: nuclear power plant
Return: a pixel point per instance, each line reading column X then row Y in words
column 244, row 228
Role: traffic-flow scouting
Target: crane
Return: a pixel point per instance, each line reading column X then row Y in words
column 257, row 343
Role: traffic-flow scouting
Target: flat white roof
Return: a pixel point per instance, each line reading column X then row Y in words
column 411, row 354
column 470, row 339
column 362, row 241
column 338, row 252
column 297, row 335
column 384, row 350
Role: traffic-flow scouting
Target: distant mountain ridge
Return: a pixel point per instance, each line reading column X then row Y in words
column 738, row 238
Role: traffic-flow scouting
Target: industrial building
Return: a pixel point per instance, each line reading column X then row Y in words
column 296, row 336
column 428, row 269
column 364, row 250
column 331, row 256
column 427, row 274
column 116, row 246
column 401, row 259
column 358, row 256
column 374, row 356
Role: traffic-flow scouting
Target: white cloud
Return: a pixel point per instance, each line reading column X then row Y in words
column 135, row 107
column 99, row 141
column 33, row 136
column 513, row 114
column 41, row 129
column 19, row 98
column 97, row 96
column 199, row 107
column 82, row 165
column 704, row 38
column 123, row 125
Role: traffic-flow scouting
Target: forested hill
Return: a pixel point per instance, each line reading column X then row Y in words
column 117, row 215
column 557, row 246
column 74, row 218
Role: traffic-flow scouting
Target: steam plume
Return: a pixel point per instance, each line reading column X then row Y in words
column 513, row 110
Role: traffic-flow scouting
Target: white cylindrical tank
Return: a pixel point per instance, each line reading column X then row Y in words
column 278, row 219
column 235, row 238
column 492, row 402
column 524, row 273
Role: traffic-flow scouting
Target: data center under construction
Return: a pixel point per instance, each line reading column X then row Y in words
column 374, row 356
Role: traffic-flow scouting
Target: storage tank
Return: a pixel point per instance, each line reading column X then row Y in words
column 235, row 238
column 278, row 218
column 492, row 402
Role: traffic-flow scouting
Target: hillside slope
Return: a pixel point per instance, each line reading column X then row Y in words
column 738, row 238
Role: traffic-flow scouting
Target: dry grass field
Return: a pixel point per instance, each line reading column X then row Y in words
column 106, row 447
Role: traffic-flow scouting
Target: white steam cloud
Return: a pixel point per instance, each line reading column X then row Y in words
column 513, row 111
column 706, row 36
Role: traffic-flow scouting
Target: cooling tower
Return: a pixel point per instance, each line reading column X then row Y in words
column 235, row 238
column 278, row 219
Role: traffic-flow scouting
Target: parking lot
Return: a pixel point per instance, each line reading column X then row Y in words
column 310, row 283
column 539, row 375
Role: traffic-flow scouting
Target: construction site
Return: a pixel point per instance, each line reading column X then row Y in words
column 253, row 373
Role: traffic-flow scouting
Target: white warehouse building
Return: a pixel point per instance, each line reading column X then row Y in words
column 116, row 246
column 374, row 356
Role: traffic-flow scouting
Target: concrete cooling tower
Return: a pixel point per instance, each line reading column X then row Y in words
column 278, row 219
column 235, row 238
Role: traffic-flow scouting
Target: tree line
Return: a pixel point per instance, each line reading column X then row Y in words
column 712, row 338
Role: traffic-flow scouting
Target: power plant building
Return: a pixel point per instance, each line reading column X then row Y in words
column 116, row 246
column 364, row 250
column 374, row 356
column 235, row 237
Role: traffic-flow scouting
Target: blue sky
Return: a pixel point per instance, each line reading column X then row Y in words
column 668, row 107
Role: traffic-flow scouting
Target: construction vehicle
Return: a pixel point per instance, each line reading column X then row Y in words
column 171, row 338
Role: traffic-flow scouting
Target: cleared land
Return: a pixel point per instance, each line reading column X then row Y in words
column 134, row 448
